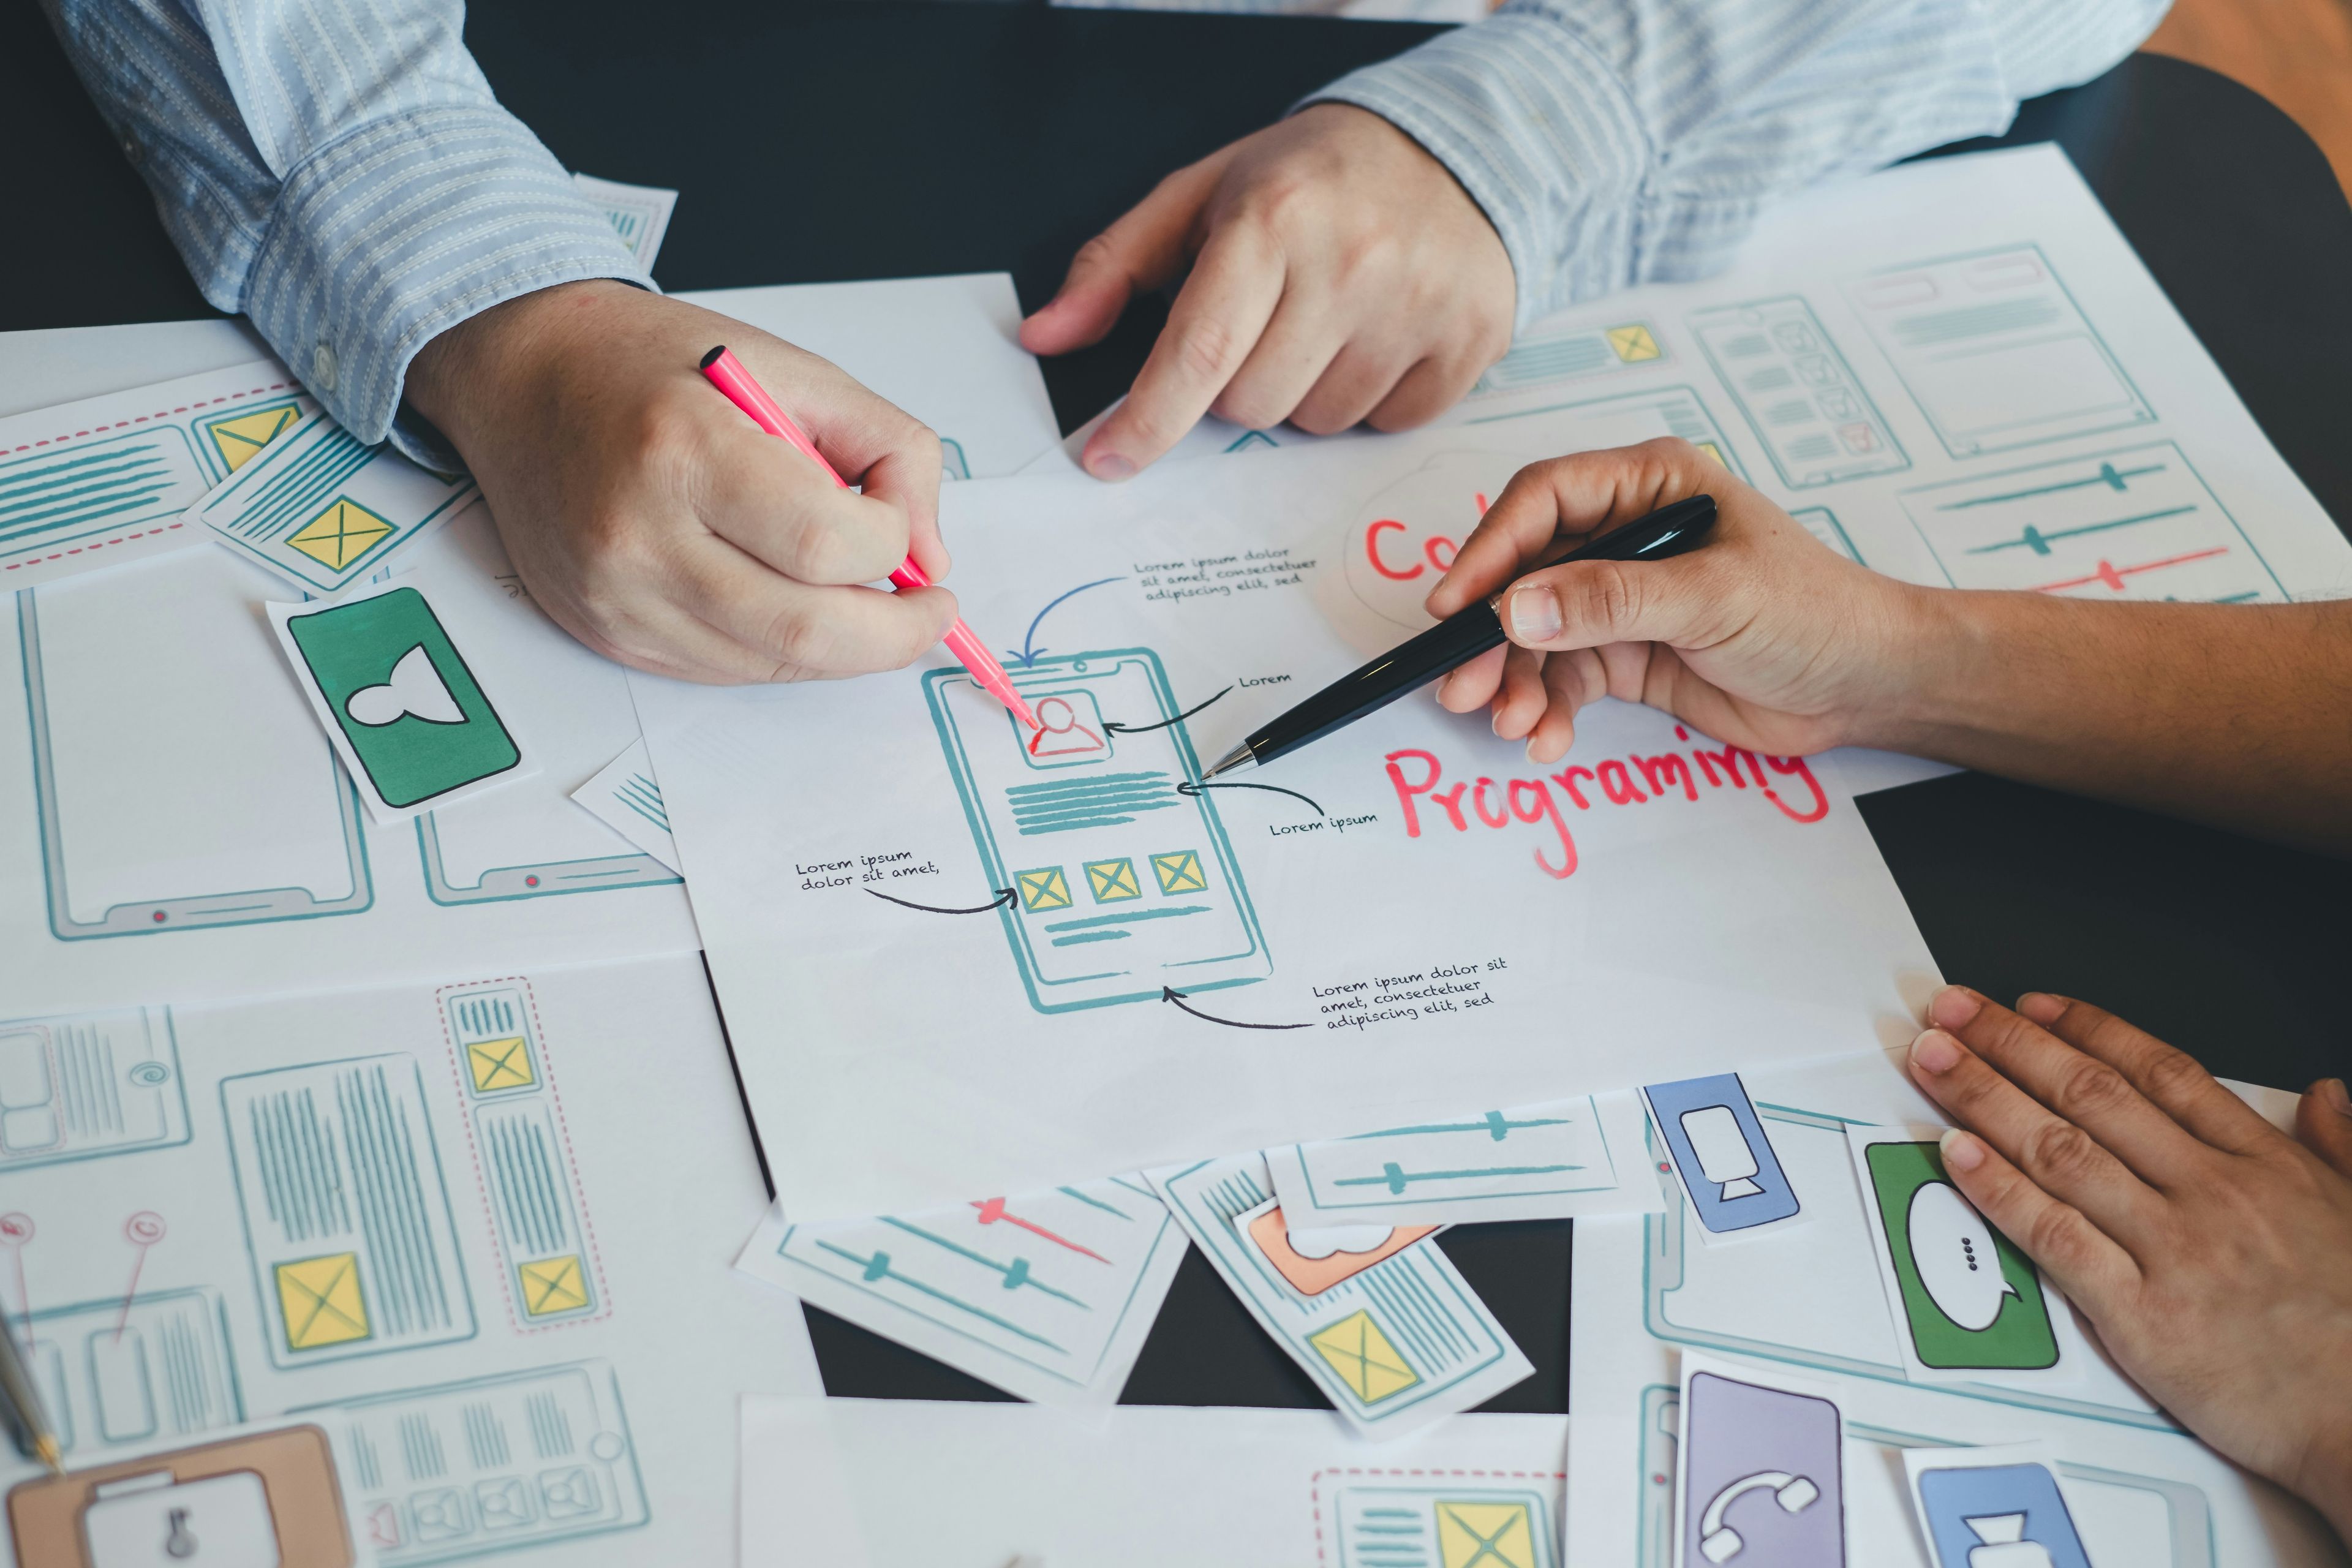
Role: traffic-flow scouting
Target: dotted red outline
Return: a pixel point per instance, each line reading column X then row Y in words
column 1314, row 1485
column 125, row 424
column 563, row 1130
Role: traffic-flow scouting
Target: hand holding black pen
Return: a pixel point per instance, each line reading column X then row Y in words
column 1671, row 529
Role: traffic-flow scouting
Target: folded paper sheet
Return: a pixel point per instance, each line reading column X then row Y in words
column 1147, row 969
column 890, row 1483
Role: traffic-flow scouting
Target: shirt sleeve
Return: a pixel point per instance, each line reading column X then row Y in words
column 1622, row 142
column 340, row 173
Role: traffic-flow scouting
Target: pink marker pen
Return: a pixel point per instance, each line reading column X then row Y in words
column 728, row 374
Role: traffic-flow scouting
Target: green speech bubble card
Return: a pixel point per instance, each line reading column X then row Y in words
column 405, row 711
column 1967, row 1305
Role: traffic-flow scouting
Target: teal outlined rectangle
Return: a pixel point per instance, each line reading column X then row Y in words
column 1079, row 792
column 1473, row 1520
column 1440, row 1163
column 153, row 1369
column 243, row 906
column 1668, row 1258
column 89, row 1085
column 2139, row 523
column 532, row 879
column 337, row 1160
column 1630, row 417
column 1797, row 392
column 1995, row 350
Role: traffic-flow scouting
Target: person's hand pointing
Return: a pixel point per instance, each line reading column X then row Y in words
column 1338, row 274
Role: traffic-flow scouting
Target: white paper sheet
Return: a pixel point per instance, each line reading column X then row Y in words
column 855, row 1483
column 947, row 349
column 1713, row 925
column 626, row 798
column 1049, row 1295
column 1807, row 1304
column 1541, row 1162
column 89, row 484
column 493, row 1218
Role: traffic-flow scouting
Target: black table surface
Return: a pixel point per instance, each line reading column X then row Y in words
column 964, row 137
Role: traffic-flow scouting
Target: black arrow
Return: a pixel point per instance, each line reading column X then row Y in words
column 1189, row 787
column 1170, row 993
column 1003, row 897
column 1141, row 728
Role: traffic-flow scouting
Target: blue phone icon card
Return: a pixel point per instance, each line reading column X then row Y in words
column 1722, row 1157
column 1993, row 1508
column 1761, row 1481
column 1122, row 878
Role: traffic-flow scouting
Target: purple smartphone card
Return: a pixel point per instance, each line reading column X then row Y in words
column 1762, row 1476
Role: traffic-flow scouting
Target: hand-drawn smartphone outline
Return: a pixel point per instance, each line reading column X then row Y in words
column 191, row 911
column 593, row 1390
column 155, row 1069
column 1666, row 1269
column 1037, row 679
column 546, row 879
column 61, row 1348
column 1764, row 316
column 1658, row 1452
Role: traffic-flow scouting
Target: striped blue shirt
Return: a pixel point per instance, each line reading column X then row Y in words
column 1622, row 142
column 341, row 172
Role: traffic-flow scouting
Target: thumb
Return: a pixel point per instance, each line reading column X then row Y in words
column 1590, row 604
column 1139, row 253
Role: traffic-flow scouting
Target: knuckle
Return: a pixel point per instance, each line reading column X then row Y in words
column 2172, row 1075
column 2092, row 1088
column 797, row 641
column 2050, row 1235
column 1099, row 254
column 1601, row 600
column 1204, row 352
column 2061, row 1151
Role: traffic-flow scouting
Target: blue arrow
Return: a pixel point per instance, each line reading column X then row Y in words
column 1029, row 650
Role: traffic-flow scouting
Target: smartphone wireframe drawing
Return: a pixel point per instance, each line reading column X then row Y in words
column 178, row 792
column 1124, row 883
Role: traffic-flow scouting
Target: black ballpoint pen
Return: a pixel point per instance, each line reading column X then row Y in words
column 1456, row 640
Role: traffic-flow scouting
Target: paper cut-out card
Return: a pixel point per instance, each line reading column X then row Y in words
column 269, row 1497
column 1761, row 1482
column 320, row 508
column 1993, row 1508
column 1723, row 1157
column 1967, row 1305
column 1393, row 1346
column 405, row 710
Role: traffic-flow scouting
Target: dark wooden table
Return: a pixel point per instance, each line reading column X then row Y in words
column 962, row 138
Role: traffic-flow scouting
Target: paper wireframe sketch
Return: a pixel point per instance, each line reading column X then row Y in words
column 1048, row 1296
column 322, row 510
column 408, row 714
column 1108, row 894
column 626, row 798
column 107, row 479
column 448, row 1222
column 640, row 214
column 1543, row 1162
column 894, row 1483
column 1393, row 1347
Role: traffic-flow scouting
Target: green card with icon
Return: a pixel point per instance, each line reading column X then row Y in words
column 405, row 710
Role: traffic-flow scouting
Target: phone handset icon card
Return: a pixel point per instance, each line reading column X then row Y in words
column 1122, row 882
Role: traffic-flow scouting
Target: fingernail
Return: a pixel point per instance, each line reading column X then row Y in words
column 1954, row 1006
column 1535, row 613
column 1961, row 1149
column 2331, row 1091
column 1935, row 1052
column 1532, row 759
column 2040, row 1006
column 1110, row 466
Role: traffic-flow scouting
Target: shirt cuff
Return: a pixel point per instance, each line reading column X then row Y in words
column 1541, row 133
column 385, row 239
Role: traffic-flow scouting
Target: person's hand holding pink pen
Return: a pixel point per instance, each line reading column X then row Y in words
column 728, row 374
